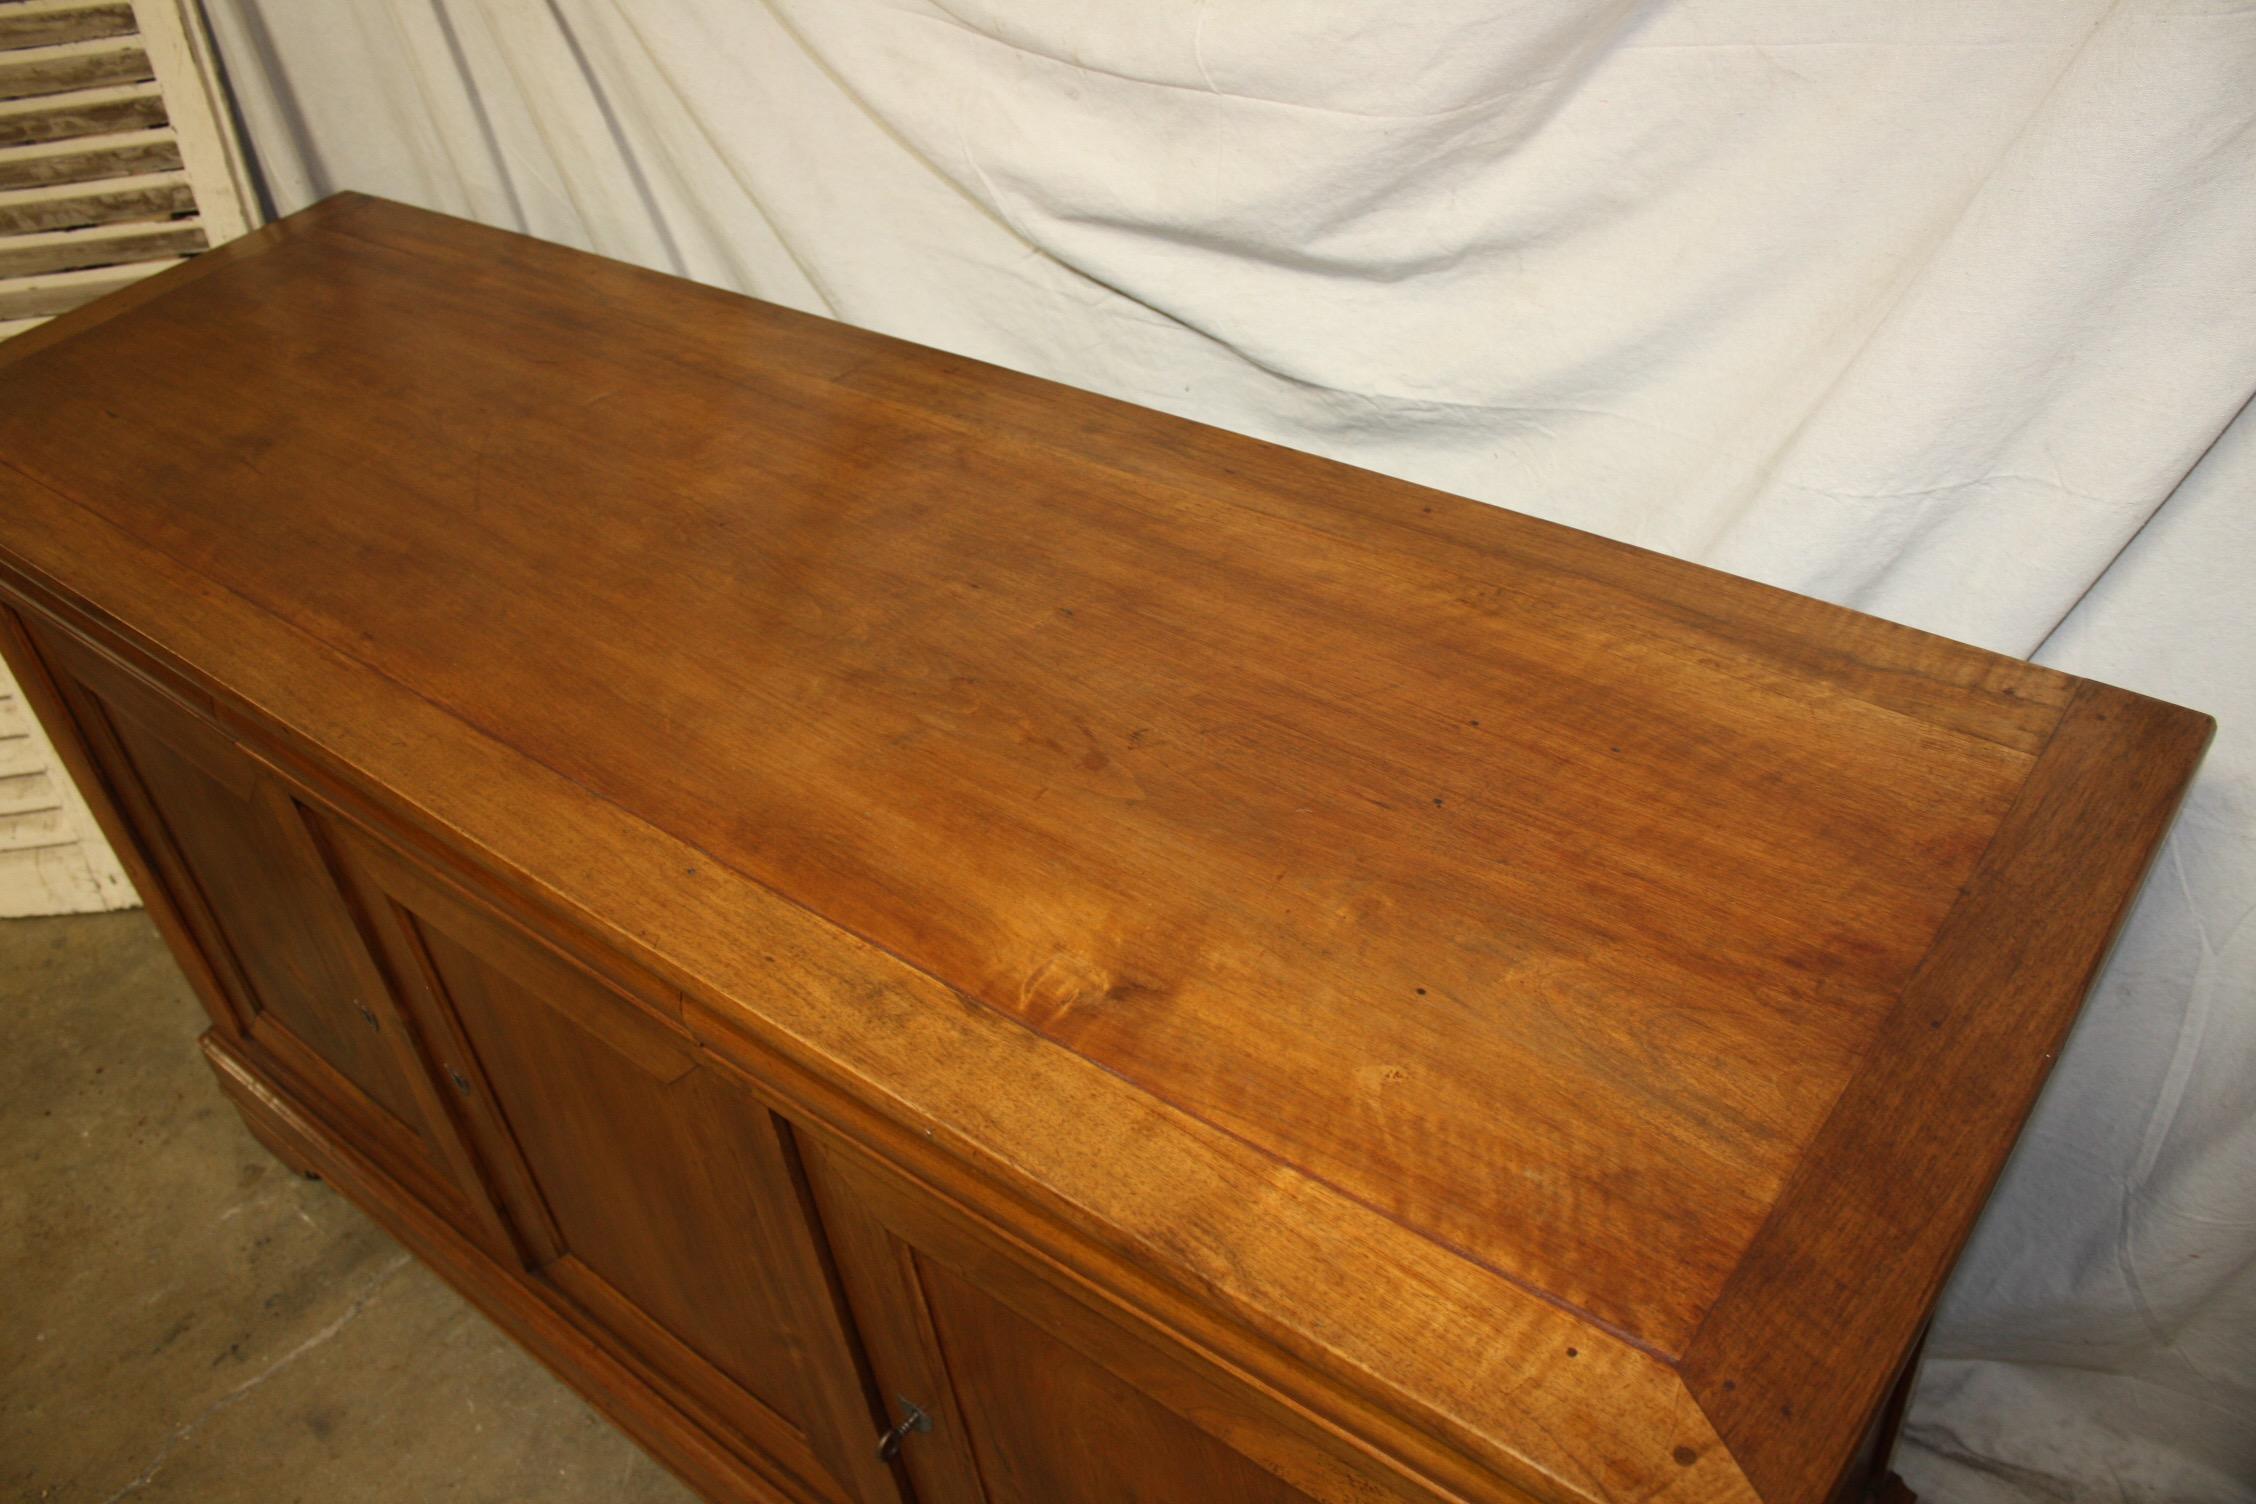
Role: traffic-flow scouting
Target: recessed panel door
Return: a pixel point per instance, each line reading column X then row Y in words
column 1008, row 1390
column 654, row 1199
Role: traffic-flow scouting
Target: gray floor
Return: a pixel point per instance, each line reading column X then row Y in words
column 182, row 1318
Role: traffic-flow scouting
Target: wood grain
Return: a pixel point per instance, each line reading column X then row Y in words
column 1703, row 610
column 637, row 1181
column 223, row 839
column 1055, row 739
column 1448, row 973
column 231, row 856
column 889, row 1237
column 1859, row 1245
column 1041, row 1456
column 79, row 317
column 1194, row 1233
column 45, row 696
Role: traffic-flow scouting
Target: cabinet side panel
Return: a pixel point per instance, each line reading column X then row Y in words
column 43, row 693
column 287, row 935
column 250, row 906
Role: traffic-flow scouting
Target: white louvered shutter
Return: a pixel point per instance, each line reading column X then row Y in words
column 117, row 159
column 52, row 859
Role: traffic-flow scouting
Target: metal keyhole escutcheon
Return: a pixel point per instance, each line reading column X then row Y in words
column 914, row 1419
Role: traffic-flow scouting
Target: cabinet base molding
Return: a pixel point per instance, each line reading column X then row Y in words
column 663, row 1429
column 296, row 1137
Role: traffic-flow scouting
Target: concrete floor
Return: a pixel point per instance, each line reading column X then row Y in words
column 182, row 1318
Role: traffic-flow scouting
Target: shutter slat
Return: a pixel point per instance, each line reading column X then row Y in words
column 61, row 70
column 102, row 245
column 44, row 25
column 70, row 206
column 89, row 160
column 91, row 112
column 34, row 829
column 21, row 792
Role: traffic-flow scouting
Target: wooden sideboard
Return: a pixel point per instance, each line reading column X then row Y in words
column 918, row 933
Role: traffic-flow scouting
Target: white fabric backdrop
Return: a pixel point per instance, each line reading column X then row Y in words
column 1945, row 309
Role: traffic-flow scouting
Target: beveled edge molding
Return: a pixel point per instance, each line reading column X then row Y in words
column 35, row 678
column 1856, row 1250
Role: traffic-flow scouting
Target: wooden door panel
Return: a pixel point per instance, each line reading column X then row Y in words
column 1033, row 1397
column 638, row 1160
column 652, row 1196
column 1049, row 1426
column 234, row 850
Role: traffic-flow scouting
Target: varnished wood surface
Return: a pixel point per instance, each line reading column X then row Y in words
column 1163, row 780
column 1548, row 903
column 637, row 1183
column 1975, row 1030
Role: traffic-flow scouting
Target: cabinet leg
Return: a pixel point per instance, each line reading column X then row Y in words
column 1869, row 1479
column 275, row 1147
column 1887, row 1488
column 274, row 1143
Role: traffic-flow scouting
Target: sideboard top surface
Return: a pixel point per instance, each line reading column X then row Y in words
column 1617, row 929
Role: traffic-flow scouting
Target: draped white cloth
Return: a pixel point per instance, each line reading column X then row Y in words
column 1944, row 309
